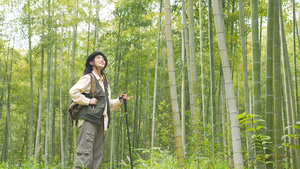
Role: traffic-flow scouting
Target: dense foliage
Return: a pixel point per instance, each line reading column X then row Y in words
column 38, row 36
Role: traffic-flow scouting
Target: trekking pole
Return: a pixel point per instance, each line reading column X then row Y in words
column 125, row 107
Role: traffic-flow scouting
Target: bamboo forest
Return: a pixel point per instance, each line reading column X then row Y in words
column 211, row 84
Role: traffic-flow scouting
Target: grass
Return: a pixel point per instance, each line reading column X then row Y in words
column 145, row 159
column 164, row 159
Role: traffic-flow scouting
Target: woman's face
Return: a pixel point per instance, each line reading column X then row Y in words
column 98, row 61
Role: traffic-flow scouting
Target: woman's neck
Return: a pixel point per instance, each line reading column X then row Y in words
column 98, row 71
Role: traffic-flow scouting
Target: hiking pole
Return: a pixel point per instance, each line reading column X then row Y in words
column 125, row 107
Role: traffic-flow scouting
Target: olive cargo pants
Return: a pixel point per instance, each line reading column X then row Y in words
column 90, row 145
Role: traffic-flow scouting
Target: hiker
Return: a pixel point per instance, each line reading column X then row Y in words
column 94, row 117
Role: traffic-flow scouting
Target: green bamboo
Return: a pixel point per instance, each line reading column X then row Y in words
column 74, row 34
column 204, row 115
column 291, row 110
column 136, row 104
column 188, row 60
column 295, row 60
column 5, row 145
column 212, row 75
column 8, row 113
column 3, row 85
column 269, row 114
column 7, row 119
column 193, row 60
column 224, row 111
column 187, row 53
column 88, row 32
column 140, row 103
column 256, row 63
column 60, row 101
column 173, row 91
column 230, row 95
column 67, row 126
column 49, row 57
column 182, row 94
column 97, row 24
column 48, row 128
column 31, row 83
column 113, row 124
column 296, row 87
column 155, row 82
column 277, row 88
column 38, row 132
column 53, row 82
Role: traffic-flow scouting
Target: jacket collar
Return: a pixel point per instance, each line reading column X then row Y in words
column 97, row 76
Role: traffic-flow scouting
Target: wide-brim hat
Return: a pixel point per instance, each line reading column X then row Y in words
column 94, row 54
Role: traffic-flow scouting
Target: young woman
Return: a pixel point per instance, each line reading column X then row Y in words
column 94, row 116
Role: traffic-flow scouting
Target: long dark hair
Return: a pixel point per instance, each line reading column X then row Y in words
column 89, row 68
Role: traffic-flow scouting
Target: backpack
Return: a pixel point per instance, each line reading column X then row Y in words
column 75, row 108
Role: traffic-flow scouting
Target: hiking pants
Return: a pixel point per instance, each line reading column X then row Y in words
column 90, row 145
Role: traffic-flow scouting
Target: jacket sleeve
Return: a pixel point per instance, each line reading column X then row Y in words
column 114, row 104
column 82, row 86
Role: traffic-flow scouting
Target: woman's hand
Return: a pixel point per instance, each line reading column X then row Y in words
column 123, row 96
column 93, row 101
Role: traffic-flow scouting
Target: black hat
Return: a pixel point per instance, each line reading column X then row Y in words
column 94, row 54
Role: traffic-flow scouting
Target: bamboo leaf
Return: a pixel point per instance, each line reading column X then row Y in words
column 251, row 129
column 295, row 147
column 240, row 116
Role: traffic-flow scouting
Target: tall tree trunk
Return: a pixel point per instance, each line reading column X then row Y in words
column 256, row 75
column 224, row 111
column 10, row 138
column 295, row 60
column 5, row 145
column 73, row 70
column 112, row 142
column 97, row 24
column 31, row 84
column 120, row 134
column 2, row 78
column 173, row 92
column 291, row 110
column 269, row 115
column 3, row 85
column 4, row 81
column 47, row 114
column 113, row 117
column 89, row 27
column 235, row 129
column 147, row 117
column 277, row 88
column 67, row 126
column 140, row 101
column 136, row 110
column 60, row 101
column 155, row 80
column 187, row 53
column 183, row 94
column 7, row 119
column 212, row 74
column 113, row 155
column 38, row 130
column 204, row 115
column 193, row 61
column 53, row 92
column 49, row 95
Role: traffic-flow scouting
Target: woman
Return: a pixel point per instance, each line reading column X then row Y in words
column 94, row 116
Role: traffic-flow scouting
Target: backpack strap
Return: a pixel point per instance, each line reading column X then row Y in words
column 93, row 87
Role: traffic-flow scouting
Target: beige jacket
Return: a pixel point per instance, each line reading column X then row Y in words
column 84, row 86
